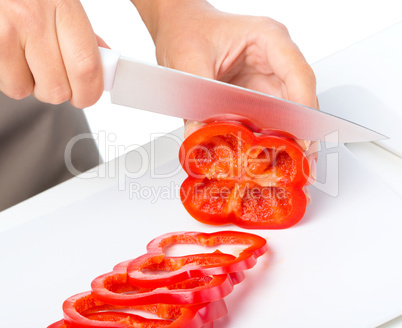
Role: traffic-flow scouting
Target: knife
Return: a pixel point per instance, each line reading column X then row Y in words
column 171, row 92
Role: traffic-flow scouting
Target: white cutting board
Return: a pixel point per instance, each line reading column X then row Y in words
column 363, row 83
column 339, row 267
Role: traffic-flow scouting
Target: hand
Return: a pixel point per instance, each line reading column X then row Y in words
column 49, row 49
column 252, row 52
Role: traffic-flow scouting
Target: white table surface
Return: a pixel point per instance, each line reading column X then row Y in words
column 71, row 209
column 319, row 30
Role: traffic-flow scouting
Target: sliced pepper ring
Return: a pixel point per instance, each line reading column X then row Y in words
column 85, row 311
column 113, row 288
column 58, row 324
column 62, row 324
column 173, row 270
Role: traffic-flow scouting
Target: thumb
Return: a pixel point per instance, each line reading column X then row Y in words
column 101, row 42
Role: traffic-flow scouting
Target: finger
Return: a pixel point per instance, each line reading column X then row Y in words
column 79, row 49
column 312, row 156
column 301, row 85
column 312, row 178
column 304, row 144
column 101, row 42
column 191, row 126
column 15, row 77
column 308, row 195
column 311, row 147
column 289, row 64
column 43, row 55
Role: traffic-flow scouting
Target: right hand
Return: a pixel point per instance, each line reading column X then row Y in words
column 48, row 49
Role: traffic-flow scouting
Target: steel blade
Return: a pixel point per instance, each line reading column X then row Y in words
column 166, row 91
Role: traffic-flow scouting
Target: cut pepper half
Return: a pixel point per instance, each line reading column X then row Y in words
column 238, row 177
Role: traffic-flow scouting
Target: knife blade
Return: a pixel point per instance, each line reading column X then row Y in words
column 171, row 92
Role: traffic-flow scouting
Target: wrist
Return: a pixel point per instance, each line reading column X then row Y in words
column 158, row 13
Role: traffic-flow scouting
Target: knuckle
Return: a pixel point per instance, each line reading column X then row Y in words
column 88, row 72
column 89, row 99
column 8, row 33
column 58, row 94
column 18, row 92
column 281, row 27
column 309, row 74
column 273, row 25
column 30, row 18
column 21, row 17
column 88, row 68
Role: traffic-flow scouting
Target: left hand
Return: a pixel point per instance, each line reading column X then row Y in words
column 252, row 52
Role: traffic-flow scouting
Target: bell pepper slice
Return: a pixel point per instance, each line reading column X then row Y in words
column 155, row 269
column 58, row 324
column 62, row 324
column 85, row 311
column 237, row 177
column 114, row 288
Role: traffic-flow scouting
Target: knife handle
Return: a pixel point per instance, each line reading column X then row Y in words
column 109, row 59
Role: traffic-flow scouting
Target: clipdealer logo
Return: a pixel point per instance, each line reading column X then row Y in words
column 130, row 162
column 134, row 162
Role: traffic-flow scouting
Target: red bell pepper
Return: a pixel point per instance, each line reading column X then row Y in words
column 113, row 288
column 85, row 311
column 187, row 281
column 58, row 324
column 237, row 177
column 62, row 324
column 171, row 270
